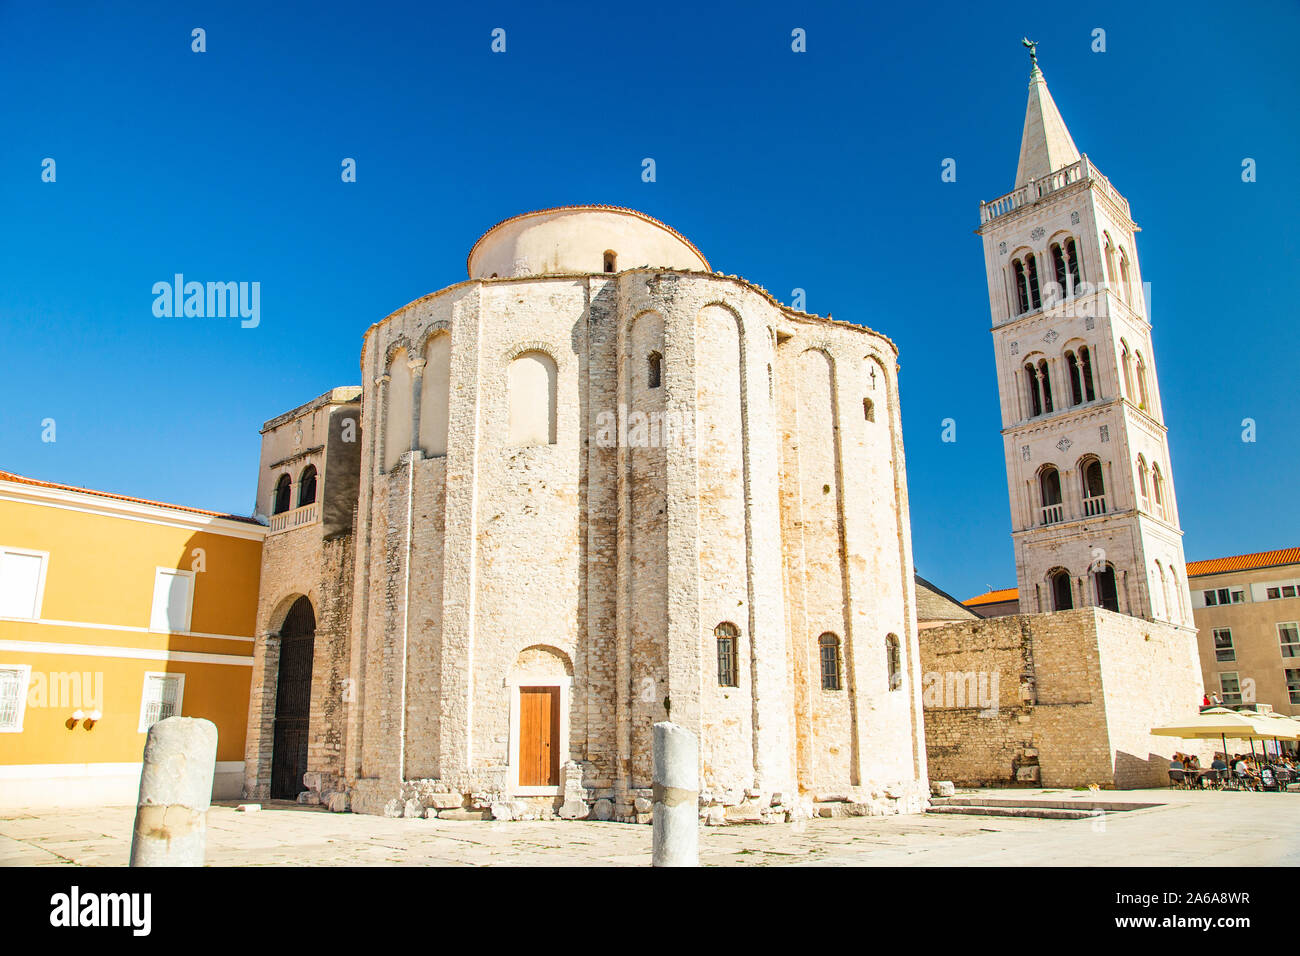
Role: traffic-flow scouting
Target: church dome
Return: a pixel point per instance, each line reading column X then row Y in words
column 581, row 239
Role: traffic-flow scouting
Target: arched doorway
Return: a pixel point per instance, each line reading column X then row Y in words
column 1107, row 592
column 1062, row 590
column 293, row 701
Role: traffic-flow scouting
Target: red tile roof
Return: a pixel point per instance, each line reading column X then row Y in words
column 1239, row 562
column 23, row 480
column 1244, row 562
column 994, row 597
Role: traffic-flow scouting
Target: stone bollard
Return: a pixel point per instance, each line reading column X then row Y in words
column 676, row 837
column 180, row 759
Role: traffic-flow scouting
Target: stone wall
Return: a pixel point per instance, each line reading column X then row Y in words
column 1061, row 700
column 765, row 497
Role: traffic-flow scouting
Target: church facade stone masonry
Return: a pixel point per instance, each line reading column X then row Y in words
column 598, row 485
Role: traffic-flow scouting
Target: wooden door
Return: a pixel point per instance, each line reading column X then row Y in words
column 539, row 736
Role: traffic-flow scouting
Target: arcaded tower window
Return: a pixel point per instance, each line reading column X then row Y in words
column 307, row 486
column 283, row 495
column 829, row 646
column 728, row 636
column 611, row 261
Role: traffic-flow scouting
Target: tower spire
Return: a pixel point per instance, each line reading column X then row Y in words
column 1045, row 144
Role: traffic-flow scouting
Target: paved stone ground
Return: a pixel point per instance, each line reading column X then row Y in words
column 1190, row 829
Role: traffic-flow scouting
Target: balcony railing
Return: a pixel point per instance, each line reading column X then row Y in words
column 1096, row 505
column 288, row 520
column 1053, row 513
column 1037, row 189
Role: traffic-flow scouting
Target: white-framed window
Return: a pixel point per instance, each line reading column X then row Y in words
column 1230, row 688
column 22, row 582
column 173, row 600
column 1223, row 648
column 161, row 698
column 1293, row 684
column 14, row 681
column 1219, row 596
column 1288, row 636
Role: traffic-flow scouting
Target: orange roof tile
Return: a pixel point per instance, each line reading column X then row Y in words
column 994, row 597
column 1244, row 562
column 23, row 480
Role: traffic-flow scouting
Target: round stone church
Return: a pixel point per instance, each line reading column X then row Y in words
column 595, row 486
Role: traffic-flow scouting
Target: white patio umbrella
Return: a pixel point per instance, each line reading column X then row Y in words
column 1222, row 723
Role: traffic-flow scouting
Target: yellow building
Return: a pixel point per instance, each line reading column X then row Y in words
column 116, row 612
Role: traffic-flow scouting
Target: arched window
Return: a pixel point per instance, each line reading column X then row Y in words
column 1076, row 380
column 1049, row 487
column 1045, row 380
column 307, row 486
column 532, row 399
column 611, row 260
column 1085, row 363
column 654, row 374
column 1031, row 381
column 1158, row 489
column 1072, row 259
column 894, row 660
column 829, row 647
column 1058, row 269
column 1031, row 269
column 1104, row 586
column 283, row 495
column 1022, row 289
column 1109, row 251
column 1125, row 289
column 1094, row 489
column 1142, row 478
column 1142, row 381
column 868, row 410
column 728, row 636
column 1062, row 590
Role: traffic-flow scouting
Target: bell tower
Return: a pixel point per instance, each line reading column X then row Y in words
column 1093, row 511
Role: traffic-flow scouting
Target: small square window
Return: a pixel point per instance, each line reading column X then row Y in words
column 162, row 697
column 22, row 582
column 14, row 681
column 173, row 598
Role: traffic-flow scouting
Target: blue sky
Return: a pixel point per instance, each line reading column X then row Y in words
column 818, row 171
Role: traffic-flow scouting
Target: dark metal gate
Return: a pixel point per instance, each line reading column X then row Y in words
column 293, row 701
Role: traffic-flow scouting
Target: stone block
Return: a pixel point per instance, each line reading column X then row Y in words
column 464, row 815
column 412, row 809
column 744, row 813
column 602, row 810
column 449, row 800
column 338, row 802
column 942, row 788
column 715, row 816
column 643, row 804
column 573, row 810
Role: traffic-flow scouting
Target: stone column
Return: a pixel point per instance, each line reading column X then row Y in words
column 180, row 760
column 676, row 796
